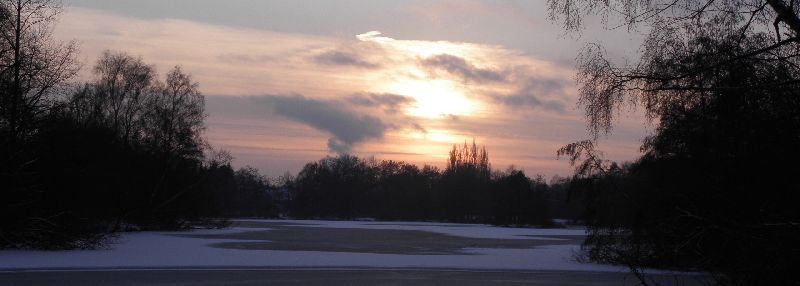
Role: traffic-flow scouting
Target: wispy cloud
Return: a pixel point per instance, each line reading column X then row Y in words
column 461, row 68
column 528, row 101
column 389, row 102
column 533, row 93
column 339, row 58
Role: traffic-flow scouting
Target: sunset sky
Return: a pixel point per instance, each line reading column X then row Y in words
column 288, row 82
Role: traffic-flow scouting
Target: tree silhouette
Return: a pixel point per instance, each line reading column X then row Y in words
column 466, row 191
column 709, row 36
column 33, row 69
column 123, row 86
column 174, row 121
column 721, row 79
column 32, row 64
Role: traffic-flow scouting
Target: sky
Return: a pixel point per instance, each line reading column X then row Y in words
column 290, row 82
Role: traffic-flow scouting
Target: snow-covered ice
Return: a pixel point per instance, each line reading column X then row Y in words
column 165, row 249
column 464, row 230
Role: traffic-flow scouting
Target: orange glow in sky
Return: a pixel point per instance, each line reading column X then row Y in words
column 433, row 98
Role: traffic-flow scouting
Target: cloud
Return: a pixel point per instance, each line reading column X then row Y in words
column 529, row 100
column 544, row 86
column 346, row 127
column 245, row 58
column 390, row 102
column 234, row 61
column 529, row 95
column 418, row 127
column 338, row 58
column 459, row 66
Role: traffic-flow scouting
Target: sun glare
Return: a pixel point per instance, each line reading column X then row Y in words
column 441, row 136
column 433, row 98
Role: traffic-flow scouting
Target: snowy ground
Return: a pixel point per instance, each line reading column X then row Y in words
column 264, row 250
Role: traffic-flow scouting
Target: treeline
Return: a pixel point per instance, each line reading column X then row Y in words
column 467, row 190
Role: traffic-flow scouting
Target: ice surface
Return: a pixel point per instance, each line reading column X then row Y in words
column 464, row 230
column 169, row 249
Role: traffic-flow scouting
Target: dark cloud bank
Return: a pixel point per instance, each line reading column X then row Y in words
column 346, row 127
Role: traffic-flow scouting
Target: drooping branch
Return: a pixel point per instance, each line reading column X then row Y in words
column 786, row 15
column 587, row 160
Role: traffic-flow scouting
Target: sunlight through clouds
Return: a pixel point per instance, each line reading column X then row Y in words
column 417, row 48
column 433, row 98
column 421, row 96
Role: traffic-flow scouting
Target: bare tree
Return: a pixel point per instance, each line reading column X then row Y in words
column 124, row 84
column 175, row 115
column 469, row 157
column 32, row 64
column 752, row 30
column 589, row 161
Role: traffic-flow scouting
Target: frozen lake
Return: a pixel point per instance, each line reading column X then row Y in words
column 280, row 249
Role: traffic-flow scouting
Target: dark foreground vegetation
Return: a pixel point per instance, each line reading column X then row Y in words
column 715, row 190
